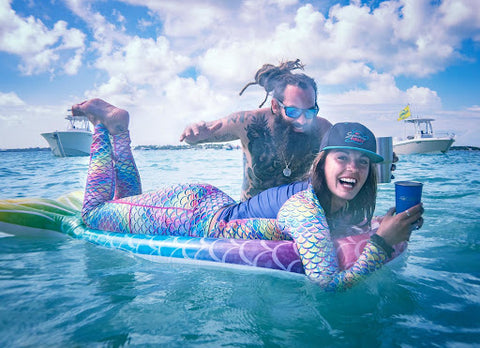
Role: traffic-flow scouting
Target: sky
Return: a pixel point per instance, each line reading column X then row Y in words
column 171, row 63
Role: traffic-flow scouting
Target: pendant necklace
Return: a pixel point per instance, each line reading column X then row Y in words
column 287, row 171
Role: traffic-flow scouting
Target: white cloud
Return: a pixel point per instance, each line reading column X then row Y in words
column 188, row 18
column 380, row 90
column 282, row 4
column 398, row 38
column 236, row 59
column 72, row 66
column 22, row 124
column 120, row 18
column 353, row 50
column 143, row 24
column 378, row 104
column 423, row 97
column 130, row 61
column 474, row 108
column 144, row 61
column 161, row 116
column 38, row 63
column 346, row 73
column 10, row 99
column 38, row 46
column 461, row 14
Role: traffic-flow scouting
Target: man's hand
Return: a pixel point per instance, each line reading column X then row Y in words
column 199, row 132
column 394, row 166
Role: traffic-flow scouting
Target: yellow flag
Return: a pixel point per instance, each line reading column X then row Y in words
column 405, row 113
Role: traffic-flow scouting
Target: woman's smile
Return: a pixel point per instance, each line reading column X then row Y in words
column 348, row 182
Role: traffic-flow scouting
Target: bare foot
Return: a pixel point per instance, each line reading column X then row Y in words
column 99, row 111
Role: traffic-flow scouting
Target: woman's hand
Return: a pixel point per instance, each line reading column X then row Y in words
column 397, row 228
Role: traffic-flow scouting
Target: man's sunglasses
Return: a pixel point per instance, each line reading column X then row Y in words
column 293, row 112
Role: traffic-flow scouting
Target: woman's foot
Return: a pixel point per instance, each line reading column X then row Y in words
column 99, row 111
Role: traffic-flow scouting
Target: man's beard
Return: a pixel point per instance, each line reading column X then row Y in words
column 297, row 146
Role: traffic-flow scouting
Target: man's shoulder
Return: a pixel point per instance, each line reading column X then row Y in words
column 322, row 124
column 259, row 118
column 323, row 121
column 250, row 115
column 245, row 122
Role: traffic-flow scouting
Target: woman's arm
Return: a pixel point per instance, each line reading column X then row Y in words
column 304, row 219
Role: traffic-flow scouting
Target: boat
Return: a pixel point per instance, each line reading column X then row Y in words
column 424, row 139
column 74, row 141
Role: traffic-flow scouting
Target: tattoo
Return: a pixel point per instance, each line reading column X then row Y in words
column 215, row 137
column 270, row 151
column 239, row 117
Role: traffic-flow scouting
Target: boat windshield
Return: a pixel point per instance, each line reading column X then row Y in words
column 78, row 122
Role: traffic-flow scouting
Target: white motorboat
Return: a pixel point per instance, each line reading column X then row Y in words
column 424, row 139
column 74, row 141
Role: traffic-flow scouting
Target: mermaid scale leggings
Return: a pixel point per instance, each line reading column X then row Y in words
column 113, row 199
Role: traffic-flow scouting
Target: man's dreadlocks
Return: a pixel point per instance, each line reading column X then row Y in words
column 276, row 78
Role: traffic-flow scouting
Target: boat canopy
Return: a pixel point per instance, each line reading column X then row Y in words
column 419, row 120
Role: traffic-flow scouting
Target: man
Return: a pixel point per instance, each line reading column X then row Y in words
column 279, row 143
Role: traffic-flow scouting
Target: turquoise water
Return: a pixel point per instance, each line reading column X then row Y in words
column 58, row 291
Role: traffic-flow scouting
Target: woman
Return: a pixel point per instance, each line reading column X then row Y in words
column 341, row 193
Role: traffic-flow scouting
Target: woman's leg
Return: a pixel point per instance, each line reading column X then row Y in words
column 184, row 210
column 127, row 178
column 99, row 211
column 100, row 178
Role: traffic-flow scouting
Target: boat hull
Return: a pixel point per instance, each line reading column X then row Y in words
column 413, row 146
column 69, row 143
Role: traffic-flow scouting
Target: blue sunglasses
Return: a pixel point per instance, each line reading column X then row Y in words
column 294, row 112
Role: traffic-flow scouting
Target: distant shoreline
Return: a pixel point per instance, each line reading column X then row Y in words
column 200, row 147
column 464, row 148
column 149, row 147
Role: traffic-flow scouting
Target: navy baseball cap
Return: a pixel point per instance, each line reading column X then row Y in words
column 352, row 136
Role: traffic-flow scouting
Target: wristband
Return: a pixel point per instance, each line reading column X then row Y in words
column 380, row 242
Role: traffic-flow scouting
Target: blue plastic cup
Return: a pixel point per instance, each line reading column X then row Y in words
column 407, row 194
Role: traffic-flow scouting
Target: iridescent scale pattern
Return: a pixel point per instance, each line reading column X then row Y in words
column 257, row 228
column 179, row 210
column 304, row 219
column 187, row 210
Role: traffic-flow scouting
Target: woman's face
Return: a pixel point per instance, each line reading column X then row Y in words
column 345, row 173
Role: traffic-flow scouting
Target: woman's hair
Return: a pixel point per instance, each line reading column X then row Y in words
column 359, row 208
column 276, row 78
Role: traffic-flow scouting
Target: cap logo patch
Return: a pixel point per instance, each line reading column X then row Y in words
column 356, row 137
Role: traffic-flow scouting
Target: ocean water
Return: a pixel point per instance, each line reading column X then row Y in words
column 57, row 291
